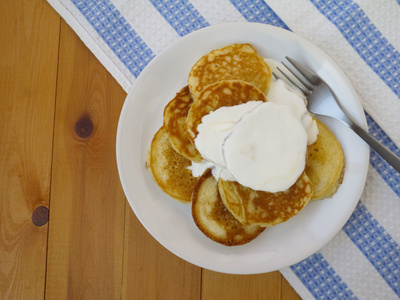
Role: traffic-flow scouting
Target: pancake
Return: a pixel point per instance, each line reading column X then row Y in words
column 169, row 168
column 252, row 207
column 325, row 163
column 219, row 94
column 236, row 61
column 225, row 211
column 175, row 124
column 214, row 220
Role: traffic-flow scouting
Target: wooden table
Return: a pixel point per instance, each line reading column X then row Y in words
column 67, row 231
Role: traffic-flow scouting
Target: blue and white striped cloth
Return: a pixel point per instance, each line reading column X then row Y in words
column 362, row 36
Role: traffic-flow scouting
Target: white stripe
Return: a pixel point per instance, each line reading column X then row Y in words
column 148, row 23
column 218, row 11
column 382, row 203
column 355, row 270
column 377, row 98
column 385, row 14
column 94, row 42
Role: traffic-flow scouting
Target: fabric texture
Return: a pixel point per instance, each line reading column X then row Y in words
column 362, row 36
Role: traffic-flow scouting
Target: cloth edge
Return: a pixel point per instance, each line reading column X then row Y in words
column 91, row 44
column 295, row 282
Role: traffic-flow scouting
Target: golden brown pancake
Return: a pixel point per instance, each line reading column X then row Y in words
column 214, row 220
column 226, row 211
column 236, row 61
column 219, row 94
column 325, row 164
column 252, row 207
column 175, row 124
column 169, row 168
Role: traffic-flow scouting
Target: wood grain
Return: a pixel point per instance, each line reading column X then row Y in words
column 151, row 271
column 29, row 38
column 231, row 287
column 86, row 227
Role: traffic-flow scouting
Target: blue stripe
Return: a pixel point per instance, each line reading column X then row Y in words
column 365, row 38
column 127, row 44
column 181, row 15
column 376, row 244
column 390, row 175
column 321, row 279
column 258, row 11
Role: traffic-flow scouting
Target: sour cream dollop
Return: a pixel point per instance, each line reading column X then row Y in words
column 261, row 145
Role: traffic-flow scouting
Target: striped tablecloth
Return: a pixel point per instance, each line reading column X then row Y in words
column 362, row 36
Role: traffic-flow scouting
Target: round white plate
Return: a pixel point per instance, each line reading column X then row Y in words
column 169, row 221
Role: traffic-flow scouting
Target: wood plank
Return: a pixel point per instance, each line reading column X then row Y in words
column 151, row 271
column 29, row 38
column 288, row 292
column 230, row 287
column 85, row 250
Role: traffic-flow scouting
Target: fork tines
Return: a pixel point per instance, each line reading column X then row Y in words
column 303, row 89
column 302, row 82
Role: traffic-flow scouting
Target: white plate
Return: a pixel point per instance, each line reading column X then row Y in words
column 170, row 222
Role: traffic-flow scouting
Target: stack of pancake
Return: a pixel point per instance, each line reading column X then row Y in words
column 226, row 211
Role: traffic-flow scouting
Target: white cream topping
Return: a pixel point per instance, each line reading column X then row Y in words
column 281, row 93
column 215, row 128
column 261, row 145
column 266, row 150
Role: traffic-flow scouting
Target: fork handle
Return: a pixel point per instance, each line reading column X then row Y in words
column 385, row 153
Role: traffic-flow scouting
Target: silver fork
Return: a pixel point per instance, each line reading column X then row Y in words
column 321, row 100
